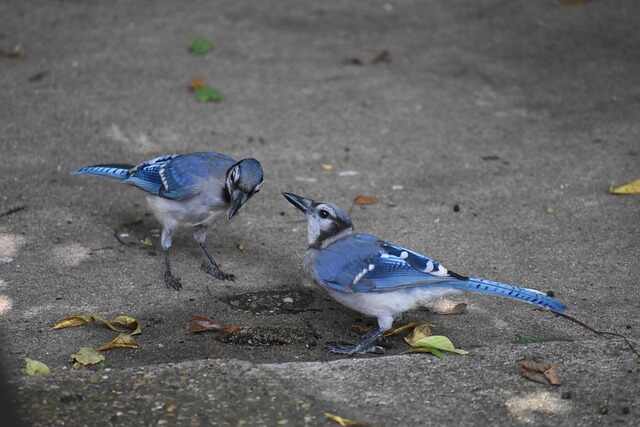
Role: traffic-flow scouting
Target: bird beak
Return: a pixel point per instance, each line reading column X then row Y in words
column 298, row 201
column 238, row 198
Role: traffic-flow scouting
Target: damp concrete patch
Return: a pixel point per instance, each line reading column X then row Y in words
column 10, row 244
column 524, row 408
column 70, row 255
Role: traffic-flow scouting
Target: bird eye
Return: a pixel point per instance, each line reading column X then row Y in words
column 323, row 214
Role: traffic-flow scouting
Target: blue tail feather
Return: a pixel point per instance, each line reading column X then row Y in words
column 531, row 296
column 115, row 171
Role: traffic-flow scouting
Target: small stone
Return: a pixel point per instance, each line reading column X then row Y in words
column 288, row 300
column 566, row 395
column 456, row 208
column 625, row 410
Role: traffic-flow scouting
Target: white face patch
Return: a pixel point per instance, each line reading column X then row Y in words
column 313, row 230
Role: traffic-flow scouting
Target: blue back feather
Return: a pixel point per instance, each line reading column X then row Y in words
column 361, row 263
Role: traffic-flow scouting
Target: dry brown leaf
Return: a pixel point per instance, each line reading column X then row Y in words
column 359, row 328
column 127, row 322
column 344, row 422
column 399, row 329
column 540, row 372
column 446, row 306
column 362, row 200
column 121, row 341
column 203, row 324
column 196, row 84
column 327, row 167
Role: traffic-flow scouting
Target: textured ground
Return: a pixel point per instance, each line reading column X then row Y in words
column 519, row 113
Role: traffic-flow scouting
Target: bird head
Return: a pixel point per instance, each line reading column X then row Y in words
column 324, row 220
column 244, row 179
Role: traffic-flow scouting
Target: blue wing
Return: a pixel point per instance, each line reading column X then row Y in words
column 179, row 176
column 363, row 263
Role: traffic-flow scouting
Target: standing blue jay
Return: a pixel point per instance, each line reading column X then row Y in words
column 381, row 279
column 189, row 189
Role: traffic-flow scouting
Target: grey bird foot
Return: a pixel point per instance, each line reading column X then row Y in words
column 353, row 349
column 172, row 281
column 217, row 273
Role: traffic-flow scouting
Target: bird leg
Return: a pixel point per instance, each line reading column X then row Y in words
column 212, row 268
column 367, row 344
column 170, row 280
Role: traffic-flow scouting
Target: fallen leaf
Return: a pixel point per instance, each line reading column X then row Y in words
column 196, row 84
column 540, row 372
column 121, row 324
column 359, row 328
column 448, row 307
column 419, row 332
column 399, row 329
column 632, row 187
column 435, row 344
column 86, row 356
column 147, row 243
column 203, row 324
column 16, row 52
column 127, row 322
column 344, row 422
column 72, row 321
column 121, row 341
column 327, row 167
column 200, row 46
column 382, row 56
column 34, row 367
column 362, row 200
column 208, row 94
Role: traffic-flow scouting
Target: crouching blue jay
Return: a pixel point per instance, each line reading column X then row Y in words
column 190, row 190
column 381, row 279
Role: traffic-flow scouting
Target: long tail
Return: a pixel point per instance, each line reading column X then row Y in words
column 531, row 296
column 115, row 171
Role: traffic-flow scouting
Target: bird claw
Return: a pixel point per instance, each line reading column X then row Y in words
column 217, row 273
column 353, row 349
column 172, row 281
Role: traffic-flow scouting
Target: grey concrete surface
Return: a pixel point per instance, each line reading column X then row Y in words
column 521, row 113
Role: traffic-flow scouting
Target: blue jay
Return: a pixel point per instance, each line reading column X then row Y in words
column 382, row 279
column 189, row 189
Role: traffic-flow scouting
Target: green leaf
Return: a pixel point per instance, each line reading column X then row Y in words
column 86, row 356
column 527, row 339
column 438, row 342
column 200, row 46
column 208, row 94
column 34, row 367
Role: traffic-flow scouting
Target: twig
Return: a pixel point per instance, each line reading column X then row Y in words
column 13, row 210
column 595, row 331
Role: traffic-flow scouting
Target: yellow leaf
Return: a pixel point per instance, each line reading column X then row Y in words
column 344, row 422
column 127, row 322
column 632, row 187
column 34, row 367
column 327, row 167
column 86, row 356
column 72, row 321
column 438, row 342
column 399, row 329
column 121, row 341
column 418, row 333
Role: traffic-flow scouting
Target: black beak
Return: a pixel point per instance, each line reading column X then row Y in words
column 298, row 201
column 238, row 198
